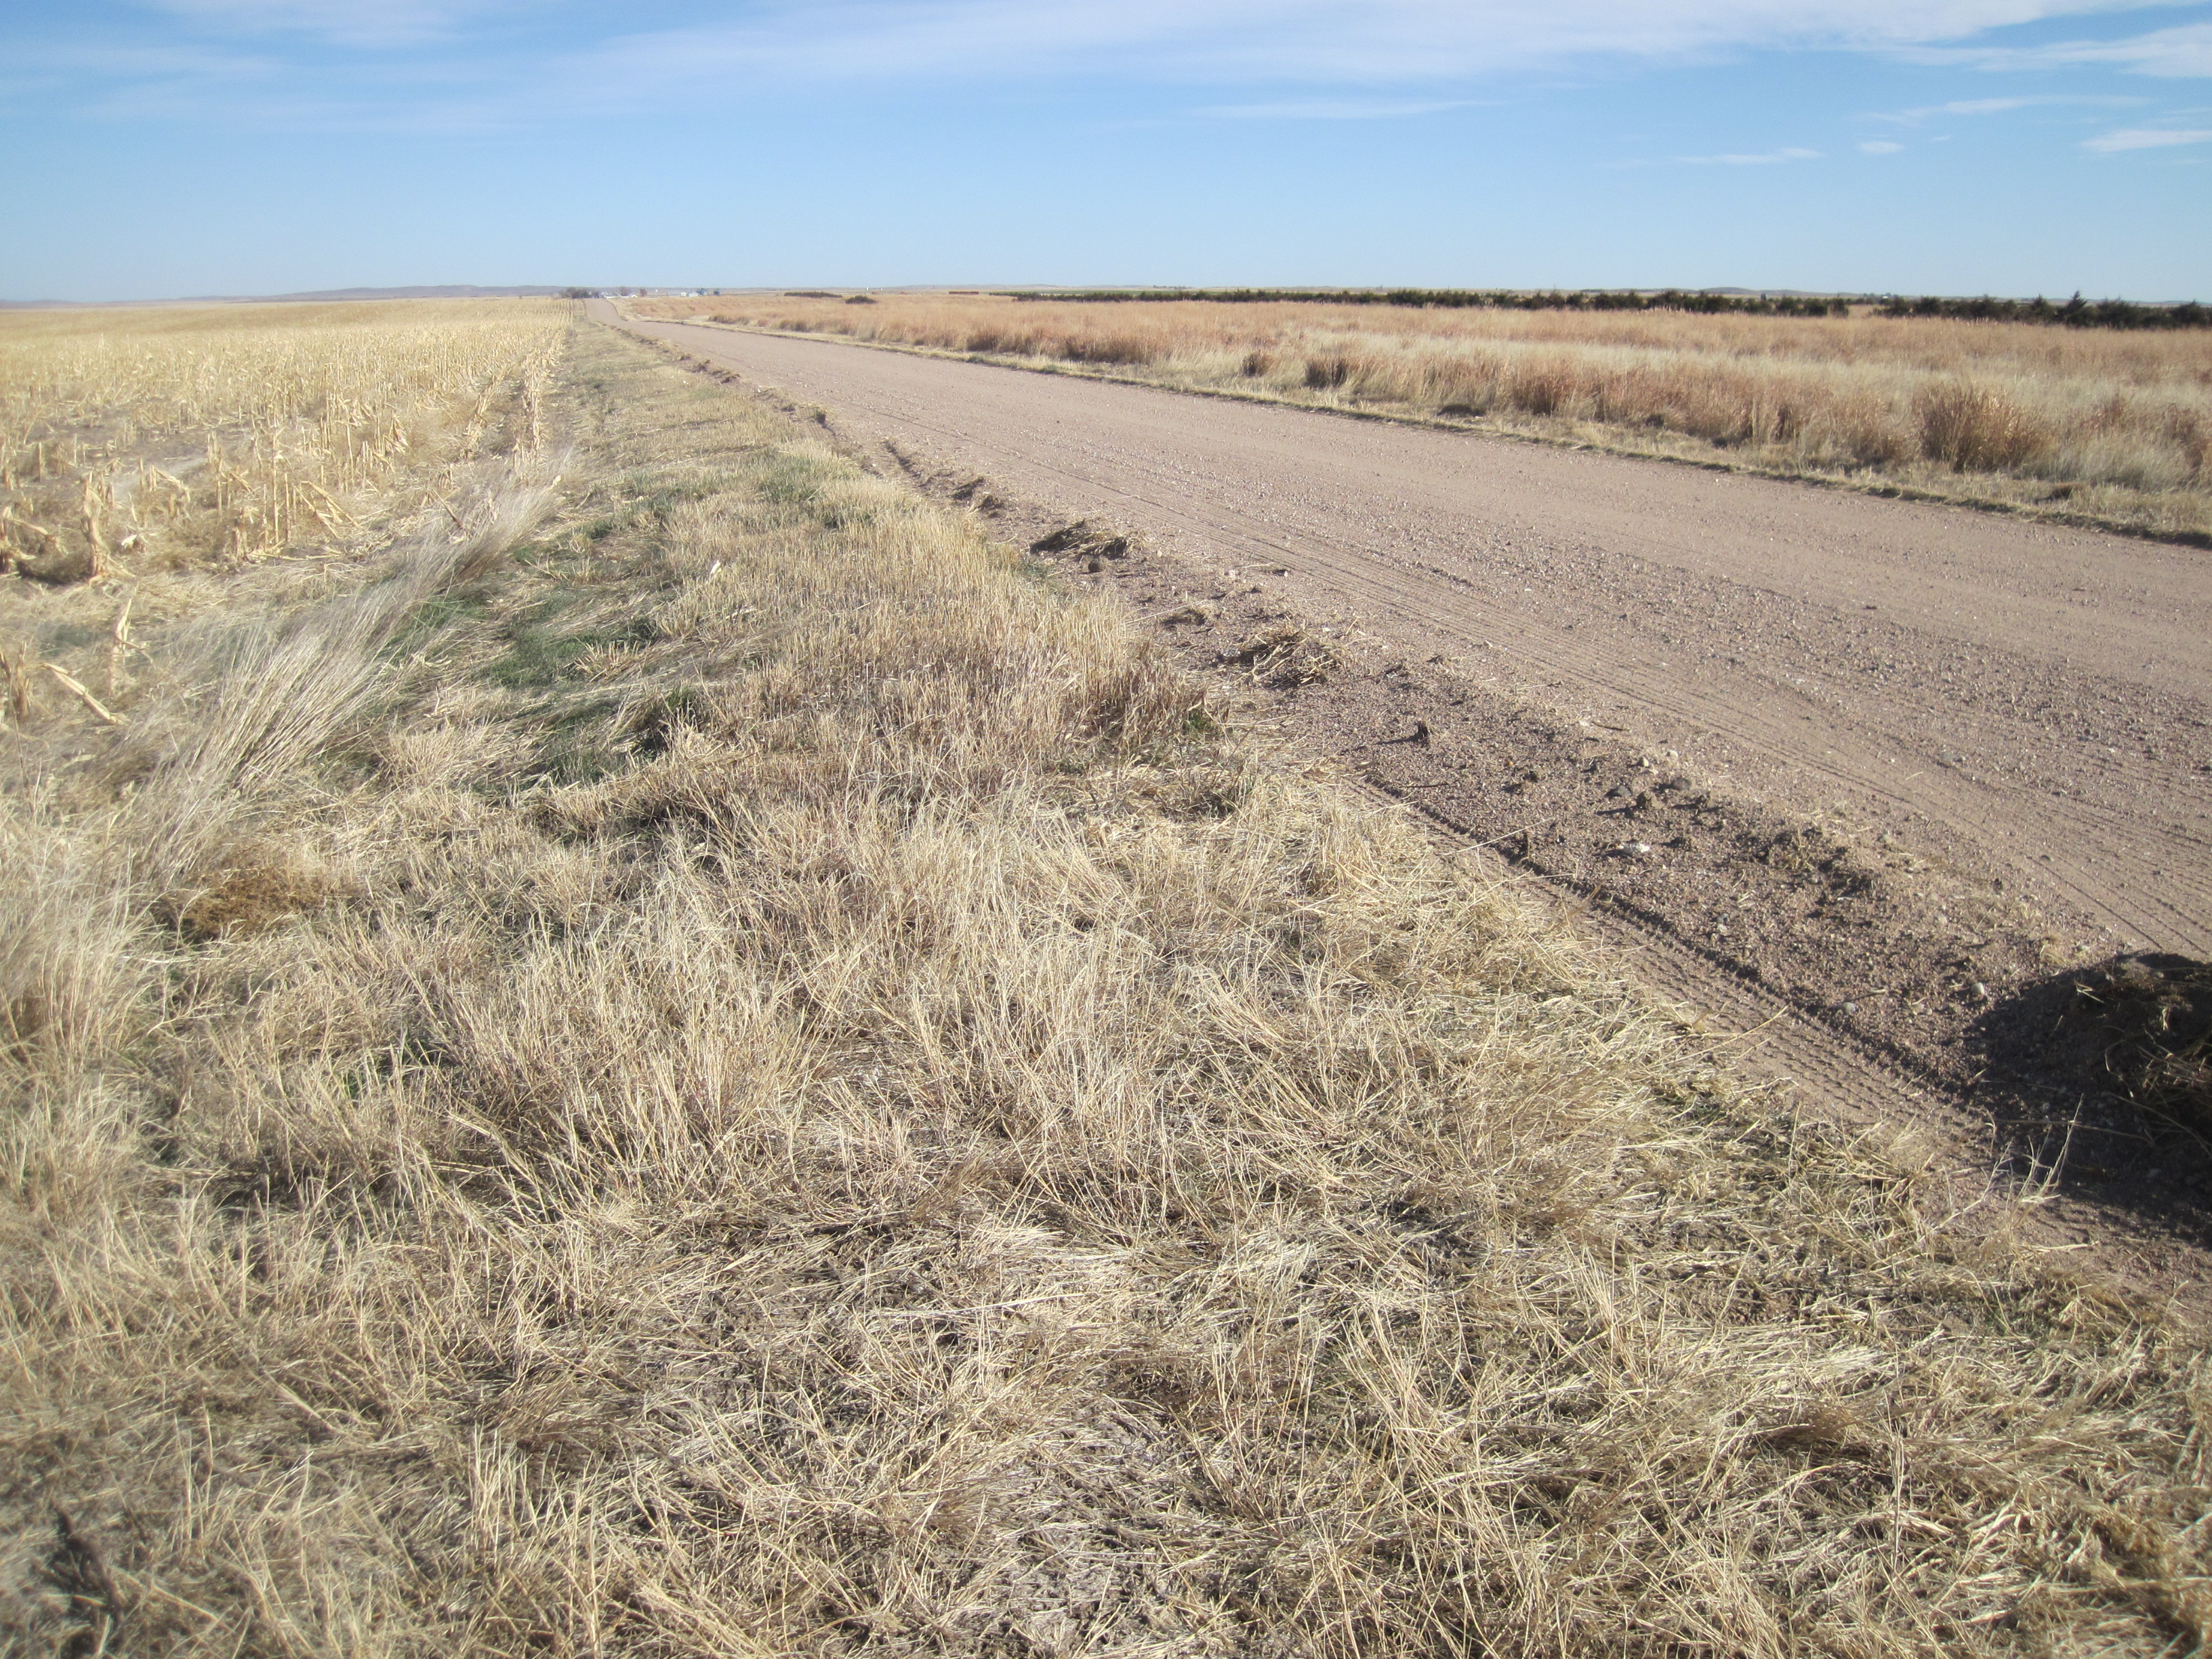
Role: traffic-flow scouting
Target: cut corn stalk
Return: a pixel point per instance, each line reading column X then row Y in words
column 77, row 689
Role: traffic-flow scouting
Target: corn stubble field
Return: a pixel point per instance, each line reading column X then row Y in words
column 686, row 1058
column 2089, row 425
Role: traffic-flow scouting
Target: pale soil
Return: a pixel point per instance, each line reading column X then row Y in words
column 1905, row 766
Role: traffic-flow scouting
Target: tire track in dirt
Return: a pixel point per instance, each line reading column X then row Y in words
column 1846, row 1080
column 1825, row 1069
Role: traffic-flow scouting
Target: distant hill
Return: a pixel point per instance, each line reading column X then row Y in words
column 447, row 291
column 450, row 291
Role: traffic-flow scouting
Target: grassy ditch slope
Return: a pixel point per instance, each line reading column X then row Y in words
column 692, row 1060
column 2094, row 426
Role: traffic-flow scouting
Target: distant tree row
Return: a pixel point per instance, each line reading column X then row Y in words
column 1493, row 299
column 601, row 293
column 2076, row 313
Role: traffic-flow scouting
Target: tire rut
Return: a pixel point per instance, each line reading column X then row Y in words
column 1839, row 1075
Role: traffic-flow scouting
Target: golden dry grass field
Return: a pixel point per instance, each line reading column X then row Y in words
column 240, row 431
column 646, row 1045
column 2091, row 425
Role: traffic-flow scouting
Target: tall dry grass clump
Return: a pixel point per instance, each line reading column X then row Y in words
column 137, row 438
column 2106, row 425
column 1976, row 428
column 763, row 1082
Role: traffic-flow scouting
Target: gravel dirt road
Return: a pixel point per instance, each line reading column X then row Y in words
column 1899, row 769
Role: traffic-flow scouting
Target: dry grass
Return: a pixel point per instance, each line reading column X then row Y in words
column 2088, row 422
column 742, row 1077
column 138, row 438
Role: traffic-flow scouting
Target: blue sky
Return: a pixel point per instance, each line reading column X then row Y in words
column 182, row 147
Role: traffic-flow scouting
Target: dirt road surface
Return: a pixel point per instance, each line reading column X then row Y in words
column 2000, row 732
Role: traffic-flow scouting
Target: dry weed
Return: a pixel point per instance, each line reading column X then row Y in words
column 1974, row 429
column 1285, row 656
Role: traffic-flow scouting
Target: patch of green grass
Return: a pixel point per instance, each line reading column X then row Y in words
column 65, row 636
column 793, row 480
column 532, row 553
column 540, row 655
column 655, row 495
column 651, row 499
column 433, row 617
column 538, row 658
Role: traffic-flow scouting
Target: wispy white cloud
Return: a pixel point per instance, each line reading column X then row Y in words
column 1760, row 159
column 259, row 83
column 97, row 72
column 2147, row 138
column 109, row 60
column 1969, row 106
column 1879, row 147
column 2175, row 53
column 368, row 23
column 1913, row 118
column 1329, row 109
column 1308, row 59
column 1764, row 158
column 1321, row 41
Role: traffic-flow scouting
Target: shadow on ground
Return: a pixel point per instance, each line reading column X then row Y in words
column 2104, row 1074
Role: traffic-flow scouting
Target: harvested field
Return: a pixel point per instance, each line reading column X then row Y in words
column 164, row 437
column 699, row 1060
column 2091, row 426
